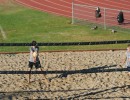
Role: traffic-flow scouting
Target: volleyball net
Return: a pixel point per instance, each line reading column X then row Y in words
column 69, row 43
column 66, row 46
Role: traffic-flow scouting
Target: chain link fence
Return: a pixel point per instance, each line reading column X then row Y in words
column 85, row 15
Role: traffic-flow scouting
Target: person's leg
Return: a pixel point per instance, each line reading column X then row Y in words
column 29, row 75
column 129, row 73
column 30, row 68
column 47, row 81
column 128, row 68
column 96, row 15
column 38, row 67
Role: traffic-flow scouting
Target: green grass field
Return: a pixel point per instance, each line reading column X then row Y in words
column 22, row 24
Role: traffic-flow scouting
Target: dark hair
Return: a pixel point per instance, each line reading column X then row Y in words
column 34, row 43
column 128, row 45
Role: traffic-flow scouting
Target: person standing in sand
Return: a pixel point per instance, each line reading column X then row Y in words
column 34, row 59
column 127, row 59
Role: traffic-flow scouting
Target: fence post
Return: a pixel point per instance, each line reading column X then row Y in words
column 105, row 18
column 73, row 12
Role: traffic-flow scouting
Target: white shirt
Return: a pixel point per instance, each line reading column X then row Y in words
column 128, row 58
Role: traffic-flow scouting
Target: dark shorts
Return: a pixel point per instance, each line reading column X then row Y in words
column 128, row 68
column 37, row 65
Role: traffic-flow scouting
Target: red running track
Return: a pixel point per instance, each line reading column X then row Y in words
column 3, row 1
column 64, row 8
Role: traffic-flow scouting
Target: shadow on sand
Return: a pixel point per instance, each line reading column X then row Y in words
column 87, row 94
column 99, row 69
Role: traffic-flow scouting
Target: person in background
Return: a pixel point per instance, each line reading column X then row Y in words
column 120, row 17
column 127, row 58
column 97, row 12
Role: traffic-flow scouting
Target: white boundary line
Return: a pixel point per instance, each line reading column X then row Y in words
column 53, row 8
column 66, row 2
column 58, row 4
column 90, row 5
column 86, row 5
column 49, row 6
column 66, row 6
column 60, row 9
column 3, row 32
column 43, row 10
column 97, row 3
column 118, row 2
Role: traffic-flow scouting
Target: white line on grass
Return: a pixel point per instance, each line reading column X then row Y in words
column 3, row 32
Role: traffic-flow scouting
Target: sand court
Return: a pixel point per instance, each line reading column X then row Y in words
column 73, row 75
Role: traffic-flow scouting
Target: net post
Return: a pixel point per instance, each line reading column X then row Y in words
column 105, row 18
column 72, row 12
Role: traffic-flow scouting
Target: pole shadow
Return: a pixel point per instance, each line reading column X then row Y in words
column 99, row 69
column 102, row 69
column 87, row 95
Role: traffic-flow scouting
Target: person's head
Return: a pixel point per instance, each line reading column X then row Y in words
column 97, row 8
column 128, row 47
column 121, row 12
column 34, row 43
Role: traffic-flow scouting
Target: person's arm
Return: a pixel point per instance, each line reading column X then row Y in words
column 31, row 51
column 35, row 58
column 124, row 60
column 117, row 17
